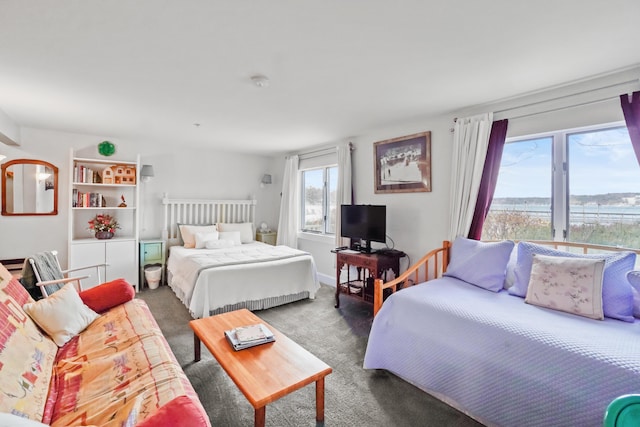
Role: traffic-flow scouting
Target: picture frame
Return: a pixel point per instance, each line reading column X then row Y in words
column 403, row 165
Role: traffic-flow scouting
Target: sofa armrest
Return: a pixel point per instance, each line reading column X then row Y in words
column 107, row 295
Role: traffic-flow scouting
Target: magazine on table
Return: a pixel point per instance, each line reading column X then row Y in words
column 249, row 336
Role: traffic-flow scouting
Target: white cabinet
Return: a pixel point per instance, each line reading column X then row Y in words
column 104, row 186
column 119, row 254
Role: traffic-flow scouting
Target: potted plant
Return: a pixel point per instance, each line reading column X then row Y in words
column 104, row 226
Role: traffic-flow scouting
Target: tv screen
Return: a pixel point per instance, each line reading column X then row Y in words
column 364, row 222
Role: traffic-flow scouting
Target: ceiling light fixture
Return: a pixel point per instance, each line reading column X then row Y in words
column 260, row 81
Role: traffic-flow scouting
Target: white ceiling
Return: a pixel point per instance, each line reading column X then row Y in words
column 149, row 70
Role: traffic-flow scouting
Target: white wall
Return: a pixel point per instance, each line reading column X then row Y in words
column 419, row 222
column 202, row 174
column 9, row 130
column 180, row 171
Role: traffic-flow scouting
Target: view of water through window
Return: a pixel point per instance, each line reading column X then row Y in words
column 587, row 189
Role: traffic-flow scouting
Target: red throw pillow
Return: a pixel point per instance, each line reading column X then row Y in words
column 179, row 412
column 109, row 294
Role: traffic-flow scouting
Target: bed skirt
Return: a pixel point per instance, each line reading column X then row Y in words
column 261, row 304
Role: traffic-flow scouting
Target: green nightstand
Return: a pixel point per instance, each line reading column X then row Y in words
column 152, row 252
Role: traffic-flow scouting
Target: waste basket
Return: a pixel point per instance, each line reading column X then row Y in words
column 153, row 274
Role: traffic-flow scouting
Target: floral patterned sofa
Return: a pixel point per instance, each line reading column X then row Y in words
column 116, row 371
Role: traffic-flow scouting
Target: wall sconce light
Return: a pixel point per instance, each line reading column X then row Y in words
column 146, row 173
column 266, row 179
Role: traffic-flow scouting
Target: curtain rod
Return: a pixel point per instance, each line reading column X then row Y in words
column 568, row 96
column 321, row 152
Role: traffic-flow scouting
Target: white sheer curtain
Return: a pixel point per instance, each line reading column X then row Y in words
column 470, row 142
column 343, row 195
column 289, row 204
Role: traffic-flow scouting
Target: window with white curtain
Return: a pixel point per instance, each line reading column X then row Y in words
column 318, row 201
column 580, row 185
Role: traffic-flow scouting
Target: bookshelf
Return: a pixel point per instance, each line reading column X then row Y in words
column 102, row 185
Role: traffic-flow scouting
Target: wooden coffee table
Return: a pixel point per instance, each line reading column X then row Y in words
column 263, row 373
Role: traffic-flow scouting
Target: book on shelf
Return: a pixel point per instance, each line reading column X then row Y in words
column 87, row 200
column 85, row 175
column 249, row 336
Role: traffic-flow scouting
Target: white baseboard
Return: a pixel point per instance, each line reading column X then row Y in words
column 327, row 280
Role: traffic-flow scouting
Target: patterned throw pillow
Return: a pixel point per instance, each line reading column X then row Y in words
column 572, row 285
column 617, row 296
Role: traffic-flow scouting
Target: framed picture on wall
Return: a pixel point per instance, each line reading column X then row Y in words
column 403, row 165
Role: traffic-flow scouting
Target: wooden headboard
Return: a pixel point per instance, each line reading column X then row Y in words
column 202, row 211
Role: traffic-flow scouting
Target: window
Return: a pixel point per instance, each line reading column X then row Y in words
column 319, row 200
column 581, row 185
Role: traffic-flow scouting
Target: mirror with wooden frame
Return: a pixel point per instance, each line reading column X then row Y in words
column 29, row 187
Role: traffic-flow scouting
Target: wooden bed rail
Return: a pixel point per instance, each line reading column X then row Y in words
column 585, row 248
column 430, row 266
column 434, row 264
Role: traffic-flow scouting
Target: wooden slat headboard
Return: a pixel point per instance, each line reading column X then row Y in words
column 202, row 211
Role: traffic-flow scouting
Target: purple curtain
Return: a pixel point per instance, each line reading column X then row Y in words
column 489, row 177
column 631, row 111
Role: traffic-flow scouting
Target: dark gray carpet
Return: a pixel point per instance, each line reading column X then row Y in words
column 353, row 396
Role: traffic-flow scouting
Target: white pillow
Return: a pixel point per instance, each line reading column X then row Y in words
column 245, row 229
column 61, row 315
column 203, row 238
column 572, row 285
column 232, row 236
column 217, row 244
column 188, row 233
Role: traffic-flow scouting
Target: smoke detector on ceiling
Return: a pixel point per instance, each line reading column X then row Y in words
column 260, row 81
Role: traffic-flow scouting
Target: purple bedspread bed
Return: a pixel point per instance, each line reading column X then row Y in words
column 502, row 361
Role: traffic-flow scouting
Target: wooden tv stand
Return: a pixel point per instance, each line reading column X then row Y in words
column 369, row 266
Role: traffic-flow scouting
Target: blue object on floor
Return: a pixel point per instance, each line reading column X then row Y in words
column 623, row 411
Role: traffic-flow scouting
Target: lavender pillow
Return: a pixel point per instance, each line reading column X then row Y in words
column 510, row 275
column 617, row 296
column 479, row 263
column 634, row 279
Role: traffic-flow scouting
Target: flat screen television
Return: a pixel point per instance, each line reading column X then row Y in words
column 364, row 222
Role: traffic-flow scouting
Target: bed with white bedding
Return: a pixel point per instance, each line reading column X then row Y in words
column 224, row 277
column 501, row 360
column 254, row 276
